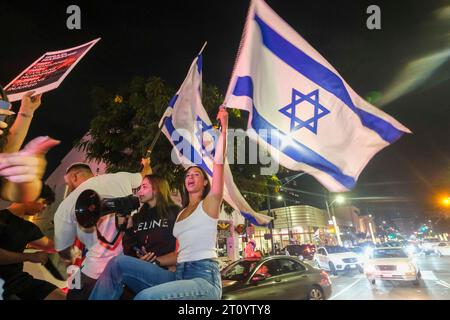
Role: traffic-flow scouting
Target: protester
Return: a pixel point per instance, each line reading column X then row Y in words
column 18, row 131
column 249, row 251
column 263, row 271
column 15, row 235
column 197, row 274
column 22, row 171
column 79, row 178
column 149, row 236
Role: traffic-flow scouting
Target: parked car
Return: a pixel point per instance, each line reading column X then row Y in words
column 427, row 246
column 274, row 277
column 442, row 249
column 337, row 258
column 301, row 251
column 391, row 263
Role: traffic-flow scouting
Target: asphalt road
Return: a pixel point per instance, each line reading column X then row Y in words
column 435, row 284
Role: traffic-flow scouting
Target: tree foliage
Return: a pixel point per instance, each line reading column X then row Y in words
column 125, row 123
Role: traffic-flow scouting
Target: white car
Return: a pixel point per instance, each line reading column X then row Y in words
column 428, row 246
column 336, row 258
column 442, row 249
column 391, row 264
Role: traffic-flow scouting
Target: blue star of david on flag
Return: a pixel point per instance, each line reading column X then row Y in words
column 290, row 110
column 203, row 127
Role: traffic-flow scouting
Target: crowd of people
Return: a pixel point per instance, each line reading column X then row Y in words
column 163, row 251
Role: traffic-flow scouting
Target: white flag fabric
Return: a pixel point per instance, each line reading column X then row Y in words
column 300, row 108
column 189, row 129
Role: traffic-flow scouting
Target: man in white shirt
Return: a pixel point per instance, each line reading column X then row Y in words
column 79, row 178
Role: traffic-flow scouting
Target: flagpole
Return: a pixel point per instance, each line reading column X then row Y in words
column 155, row 139
column 204, row 45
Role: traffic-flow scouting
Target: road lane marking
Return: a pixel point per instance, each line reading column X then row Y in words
column 443, row 283
column 345, row 289
column 428, row 275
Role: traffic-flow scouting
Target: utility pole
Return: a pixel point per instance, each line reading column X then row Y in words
column 270, row 225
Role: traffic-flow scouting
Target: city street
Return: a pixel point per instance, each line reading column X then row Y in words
column 435, row 284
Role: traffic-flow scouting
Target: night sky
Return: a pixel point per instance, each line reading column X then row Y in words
column 162, row 37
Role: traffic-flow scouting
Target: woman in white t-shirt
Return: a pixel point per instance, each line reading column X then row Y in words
column 197, row 274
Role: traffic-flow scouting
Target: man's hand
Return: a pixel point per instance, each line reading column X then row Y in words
column 30, row 103
column 146, row 167
column 146, row 162
column 37, row 257
column 27, row 165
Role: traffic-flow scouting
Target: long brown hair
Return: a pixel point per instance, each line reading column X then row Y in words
column 162, row 193
column 8, row 119
column 185, row 193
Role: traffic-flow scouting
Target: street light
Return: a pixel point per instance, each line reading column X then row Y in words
column 279, row 198
column 340, row 199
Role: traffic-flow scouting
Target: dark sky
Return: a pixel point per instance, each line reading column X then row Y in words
column 162, row 37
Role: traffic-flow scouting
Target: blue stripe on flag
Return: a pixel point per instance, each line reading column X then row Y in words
column 243, row 87
column 168, row 124
column 252, row 219
column 299, row 152
column 324, row 78
column 173, row 100
column 200, row 63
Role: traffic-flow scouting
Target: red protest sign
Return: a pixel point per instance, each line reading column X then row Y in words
column 47, row 72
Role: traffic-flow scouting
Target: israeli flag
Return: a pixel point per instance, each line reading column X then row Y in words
column 189, row 129
column 300, row 108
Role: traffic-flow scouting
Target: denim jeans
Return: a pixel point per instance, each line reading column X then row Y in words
column 192, row 280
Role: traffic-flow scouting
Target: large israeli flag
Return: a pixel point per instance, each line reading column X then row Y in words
column 189, row 129
column 300, row 108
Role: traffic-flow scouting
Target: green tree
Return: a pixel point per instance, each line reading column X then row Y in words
column 125, row 123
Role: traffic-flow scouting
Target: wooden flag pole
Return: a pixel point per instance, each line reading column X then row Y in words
column 155, row 139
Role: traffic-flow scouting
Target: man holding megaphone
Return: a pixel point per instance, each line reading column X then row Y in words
column 93, row 199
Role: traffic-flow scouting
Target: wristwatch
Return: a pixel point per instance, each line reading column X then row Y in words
column 157, row 263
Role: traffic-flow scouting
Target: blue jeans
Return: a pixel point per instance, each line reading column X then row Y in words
column 192, row 280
